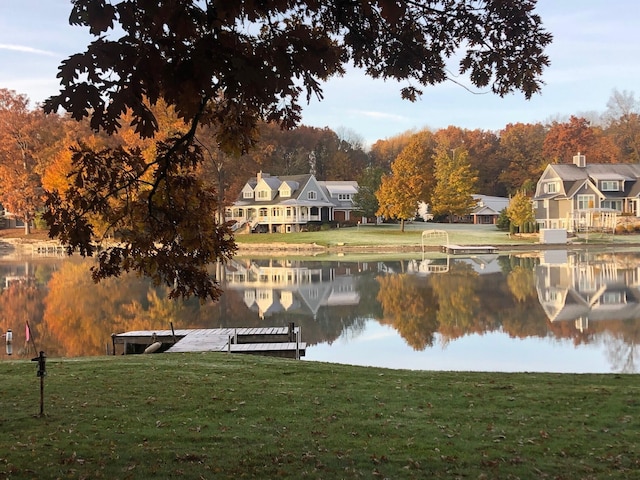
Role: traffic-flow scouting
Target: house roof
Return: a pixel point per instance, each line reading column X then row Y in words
column 297, row 184
column 488, row 204
column 574, row 177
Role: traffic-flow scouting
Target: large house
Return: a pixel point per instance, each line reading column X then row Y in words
column 288, row 203
column 568, row 195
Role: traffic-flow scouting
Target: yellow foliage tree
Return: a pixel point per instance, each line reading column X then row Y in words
column 411, row 180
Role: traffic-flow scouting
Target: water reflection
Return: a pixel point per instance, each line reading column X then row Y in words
column 574, row 302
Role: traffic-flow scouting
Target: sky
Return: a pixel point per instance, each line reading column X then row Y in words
column 596, row 49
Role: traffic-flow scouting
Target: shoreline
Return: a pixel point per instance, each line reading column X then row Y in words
column 24, row 244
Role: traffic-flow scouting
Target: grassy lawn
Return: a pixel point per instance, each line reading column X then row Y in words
column 231, row 416
column 389, row 235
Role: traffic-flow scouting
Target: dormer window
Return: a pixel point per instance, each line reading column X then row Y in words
column 610, row 185
column 552, row 187
column 285, row 192
column 312, row 195
column 344, row 196
column 262, row 194
column 247, row 194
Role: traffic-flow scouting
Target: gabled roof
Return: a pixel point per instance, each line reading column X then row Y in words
column 573, row 178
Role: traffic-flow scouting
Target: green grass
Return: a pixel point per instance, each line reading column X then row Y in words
column 375, row 235
column 388, row 235
column 231, row 416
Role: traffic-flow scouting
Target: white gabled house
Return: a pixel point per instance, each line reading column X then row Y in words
column 287, row 203
column 571, row 195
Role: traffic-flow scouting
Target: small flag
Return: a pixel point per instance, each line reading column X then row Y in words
column 27, row 332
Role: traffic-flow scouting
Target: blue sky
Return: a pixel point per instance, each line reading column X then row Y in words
column 596, row 49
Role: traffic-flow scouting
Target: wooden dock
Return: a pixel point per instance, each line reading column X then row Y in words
column 274, row 341
column 468, row 249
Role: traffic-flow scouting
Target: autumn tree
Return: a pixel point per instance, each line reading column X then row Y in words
column 411, row 180
column 26, row 138
column 521, row 146
column 231, row 64
column 564, row 140
column 384, row 152
column 520, row 210
column 455, row 184
column 482, row 148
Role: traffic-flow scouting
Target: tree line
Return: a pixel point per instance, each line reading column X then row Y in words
column 440, row 167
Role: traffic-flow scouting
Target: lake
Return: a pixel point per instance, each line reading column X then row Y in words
column 548, row 311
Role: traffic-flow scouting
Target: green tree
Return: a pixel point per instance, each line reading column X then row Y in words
column 455, row 183
column 231, row 64
column 520, row 210
column 411, row 180
column 365, row 200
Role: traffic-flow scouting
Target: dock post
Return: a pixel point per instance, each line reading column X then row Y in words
column 292, row 329
column 113, row 342
column 173, row 333
column 298, row 344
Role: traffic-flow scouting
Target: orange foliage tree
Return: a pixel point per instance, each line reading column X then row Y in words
column 26, row 138
column 409, row 307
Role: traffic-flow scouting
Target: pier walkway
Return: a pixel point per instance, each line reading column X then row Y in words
column 276, row 341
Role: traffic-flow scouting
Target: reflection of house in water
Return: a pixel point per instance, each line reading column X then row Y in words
column 584, row 287
column 281, row 285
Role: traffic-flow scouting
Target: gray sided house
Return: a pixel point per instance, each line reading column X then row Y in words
column 287, row 203
column 567, row 194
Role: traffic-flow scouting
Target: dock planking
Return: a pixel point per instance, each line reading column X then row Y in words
column 277, row 341
column 468, row 249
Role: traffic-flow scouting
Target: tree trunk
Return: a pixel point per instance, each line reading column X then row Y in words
column 27, row 225
column 402, row 224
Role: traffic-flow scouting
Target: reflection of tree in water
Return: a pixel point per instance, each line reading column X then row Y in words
column 621, row 339
column 621, row 354
column 80, row 316
column 522, row 283
column 408, row 305
column 458, row 303
column 21, row 302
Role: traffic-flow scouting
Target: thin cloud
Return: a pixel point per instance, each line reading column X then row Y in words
column 25, row 49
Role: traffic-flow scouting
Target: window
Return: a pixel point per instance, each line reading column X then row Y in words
column 285, row 192
column 610, row 185
column 262, row 194
column 552, row 187
column 262, row 212
column 585, row 202
column 614, row 204
column 312, row 196
column 247, row 194
column 344, row 196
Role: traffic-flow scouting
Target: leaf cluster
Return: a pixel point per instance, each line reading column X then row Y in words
column 240, row 61
column 157, row 215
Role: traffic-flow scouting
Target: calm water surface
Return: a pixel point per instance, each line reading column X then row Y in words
column 553, row 311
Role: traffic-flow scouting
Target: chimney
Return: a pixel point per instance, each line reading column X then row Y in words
column 259, row 176
column 579, row 160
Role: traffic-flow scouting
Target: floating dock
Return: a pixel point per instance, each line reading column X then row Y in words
column 468, row 249
column 273, row 341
